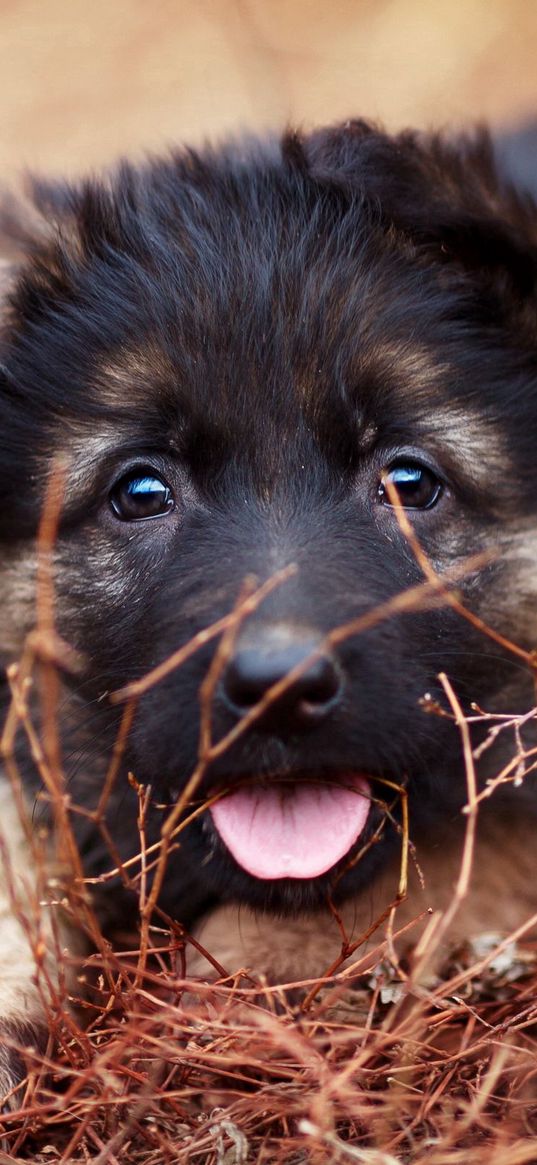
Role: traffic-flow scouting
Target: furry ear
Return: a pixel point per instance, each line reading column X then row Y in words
column 8, row 274
column 24, row 232
column 38, row 241
column 24, row 224
column 447, row 196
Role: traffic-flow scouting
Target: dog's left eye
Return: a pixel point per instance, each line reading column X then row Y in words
column 417, row 486
column 138, row 496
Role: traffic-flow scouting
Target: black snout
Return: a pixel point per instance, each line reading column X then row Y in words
column 264, row 657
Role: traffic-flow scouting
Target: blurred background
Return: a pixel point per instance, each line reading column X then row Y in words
column 84, row 80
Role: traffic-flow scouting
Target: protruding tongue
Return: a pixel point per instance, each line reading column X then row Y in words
column 294, row 831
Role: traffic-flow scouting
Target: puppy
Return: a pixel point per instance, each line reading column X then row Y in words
column 236, row 357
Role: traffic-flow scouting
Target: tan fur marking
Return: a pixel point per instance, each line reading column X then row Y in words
column 501, row 898
column 17, row 610
column 21, row 986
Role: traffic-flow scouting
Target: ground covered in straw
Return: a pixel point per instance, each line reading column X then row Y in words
column 374, row 1070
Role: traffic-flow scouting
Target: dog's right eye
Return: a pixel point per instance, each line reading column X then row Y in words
column 140, row 495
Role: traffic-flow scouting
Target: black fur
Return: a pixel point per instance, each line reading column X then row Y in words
column 269, row 327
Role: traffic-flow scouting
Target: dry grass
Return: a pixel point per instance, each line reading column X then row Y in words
column 374, row 1070
column 381, row 1062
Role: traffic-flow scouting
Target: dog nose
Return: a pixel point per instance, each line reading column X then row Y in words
column 265, row 657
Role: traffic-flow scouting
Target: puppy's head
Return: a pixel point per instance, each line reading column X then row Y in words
column 232, row 352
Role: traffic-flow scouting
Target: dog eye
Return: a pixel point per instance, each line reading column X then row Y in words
column 141, row 495
column 417, row 486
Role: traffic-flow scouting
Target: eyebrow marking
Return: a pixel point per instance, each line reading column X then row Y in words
column 471, row 441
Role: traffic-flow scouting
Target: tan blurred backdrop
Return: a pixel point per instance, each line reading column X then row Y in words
column 82, row 80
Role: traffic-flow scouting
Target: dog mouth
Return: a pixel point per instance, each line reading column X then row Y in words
column 293, row 830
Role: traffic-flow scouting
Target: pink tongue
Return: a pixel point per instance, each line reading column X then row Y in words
column 297, row 831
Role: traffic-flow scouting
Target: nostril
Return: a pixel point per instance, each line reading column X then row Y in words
column 267, row 659
column 246, row 680
column 249, row 677
column 319, row 684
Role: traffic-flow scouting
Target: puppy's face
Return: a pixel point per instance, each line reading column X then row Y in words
column 232, row 355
